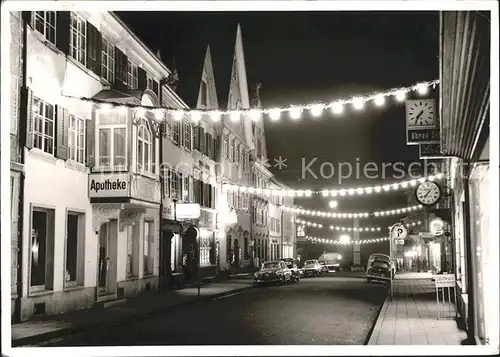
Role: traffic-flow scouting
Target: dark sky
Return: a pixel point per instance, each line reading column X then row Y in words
column 301, row 57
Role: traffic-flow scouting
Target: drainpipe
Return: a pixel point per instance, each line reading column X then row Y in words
column 23, row 115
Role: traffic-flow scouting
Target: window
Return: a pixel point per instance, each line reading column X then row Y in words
column 76, row 139
column 77, row 42
column 225, row 150
column 150, row 82
column 132, row 76
column 174, row 184
column 45, row 23
column 112, row 142
column 44, row 128
column 107, row 61
column 204, row 251
column 187, row 136
column 204, row 93
column 176, row 132
column 144, row 148
column 42, row 249
column 231, row 151
column 75, row 248
column 148, row 250
column 237, row 152
column 186, row 189
column 133, row 234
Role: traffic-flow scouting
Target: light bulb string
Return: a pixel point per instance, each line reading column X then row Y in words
column 343, row 215
column 338, row 228
column 339, row 242
column 351, row 191
column 355, row 99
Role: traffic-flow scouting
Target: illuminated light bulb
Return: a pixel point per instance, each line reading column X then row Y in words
column 337, row 228
column 295, row 113
column 300, row 193
column 343, row 229
column 344, row 215
column 420, row 206
column 178, row 114
column 195, row 116
column 395, row 186
column 215, row 115
column 355, row 215
column 360, row 191
column 366, row 214
column 422, row 88
column 379, row 100
column 140, row 112
column 274, row 114
column 386, row 187
column 376, row 214
column 243, row 189
column 373, row 229
column 342, row 192
column 320, row 225
column 316, row 110
column 254, row 114
column 159, row 114
column 404, row 184
column 331, row 227
column 325, row 193
column 291, row 193
column 251, row 190
column 358, row 103
column 235, row 116
column 308, row 193
column 438, row 176
column 369, row 190
column 333, row 193
column 337, row 108
column 351, row 191
column 422, row 180
column 413, row 182
column 400, row 96
column 378, row 188
column 349, row 229
column 349, row 215
column 393, row 212
column 355, row 229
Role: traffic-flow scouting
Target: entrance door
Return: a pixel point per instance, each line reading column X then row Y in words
column 106, row 267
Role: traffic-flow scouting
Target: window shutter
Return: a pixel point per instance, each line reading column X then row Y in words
column 63, row 30
column 196, row 138
column 90, row 139
column 27, row 17
column 142, row 79
column 209, row 145
column 121, row 62
column 27, row 98
column 94, row 45
column 62, row 125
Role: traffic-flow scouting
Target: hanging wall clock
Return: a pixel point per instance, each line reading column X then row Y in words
column 428, row 193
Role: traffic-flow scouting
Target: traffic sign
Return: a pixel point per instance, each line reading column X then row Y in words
column 399, row 241
column 399, row 231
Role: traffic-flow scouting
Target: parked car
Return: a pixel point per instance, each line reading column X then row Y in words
column 292, row 265
column 312, row 267
column 274, row 271
column 332, row 260
column 379, row 268
column 324, row 267
column 381, row 256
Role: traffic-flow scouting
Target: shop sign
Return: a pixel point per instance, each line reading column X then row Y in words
column 168, row 211
column 109, row 185
column 422, row 136
column 145, row 188
column 301, row 233
column 444, row 280
column 187, row 210
column 207, row 219
column 430, row 151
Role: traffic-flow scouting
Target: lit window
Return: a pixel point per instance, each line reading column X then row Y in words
column 78, row 43
column 186, row 189
column 187, row 136
column 176, row 131
column 132, row 76
column 107, row 61
column 144, row 148
column 76, row 139
column 112, row 142
column 45, row 23
column 44, row 128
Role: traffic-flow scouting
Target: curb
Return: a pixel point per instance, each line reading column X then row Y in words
column 50, row 335
column 375, row 332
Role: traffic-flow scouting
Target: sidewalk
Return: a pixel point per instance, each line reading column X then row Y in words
column 411, row 317
column 146, row 304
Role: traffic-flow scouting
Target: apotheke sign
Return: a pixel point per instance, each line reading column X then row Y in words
column 109, row 185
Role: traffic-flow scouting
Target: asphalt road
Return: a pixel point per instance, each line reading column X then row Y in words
column 325, row 310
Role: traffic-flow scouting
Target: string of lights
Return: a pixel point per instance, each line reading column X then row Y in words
column 338, row 242
column 343, row 215
column 334, row 193
column 295, row 112
column 339, row 228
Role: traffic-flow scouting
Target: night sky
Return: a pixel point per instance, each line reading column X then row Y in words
column 302, row 57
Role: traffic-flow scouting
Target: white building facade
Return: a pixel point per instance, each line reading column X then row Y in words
column 92, row 174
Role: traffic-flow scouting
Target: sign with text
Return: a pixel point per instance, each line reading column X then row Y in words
column 422, row 136
column 187, row 210
column 429, row 151
column 168, row 211
column 444, row 280
column 399, row 241
column 109, row 185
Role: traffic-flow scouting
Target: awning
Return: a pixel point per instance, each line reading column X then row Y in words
column 465, row 82
column 133, row 97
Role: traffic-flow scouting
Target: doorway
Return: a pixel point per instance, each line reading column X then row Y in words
column 106, row 259
column 236, row 253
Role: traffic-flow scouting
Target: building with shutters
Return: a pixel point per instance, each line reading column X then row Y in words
column 92, row 190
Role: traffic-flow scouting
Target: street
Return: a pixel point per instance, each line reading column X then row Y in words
column 324, row 310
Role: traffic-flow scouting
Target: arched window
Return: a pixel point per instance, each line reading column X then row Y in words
column 144, row 148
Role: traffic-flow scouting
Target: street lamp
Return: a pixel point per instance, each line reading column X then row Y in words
column 345, row 239
column 333, row 204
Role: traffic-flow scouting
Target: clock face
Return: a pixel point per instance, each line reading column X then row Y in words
column 428, row 193
column 420, row 113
